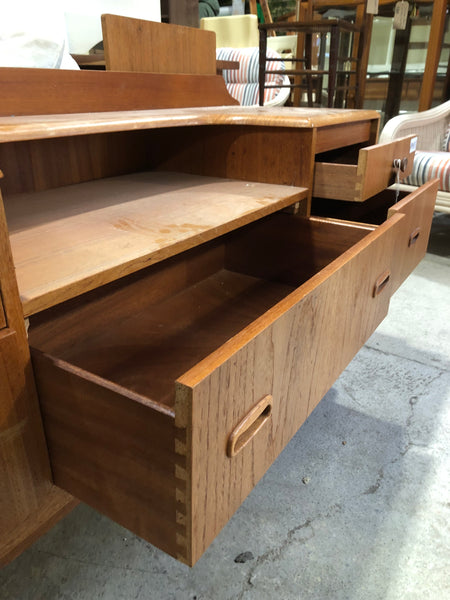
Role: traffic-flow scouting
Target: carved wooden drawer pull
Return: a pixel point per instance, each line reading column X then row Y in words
column 381, row 283
column 414, row 236
column 249, row 426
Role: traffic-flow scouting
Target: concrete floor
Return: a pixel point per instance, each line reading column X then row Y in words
column 357, row 507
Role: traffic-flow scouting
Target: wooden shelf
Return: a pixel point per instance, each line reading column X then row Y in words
column 69, row 240
column 18, row 128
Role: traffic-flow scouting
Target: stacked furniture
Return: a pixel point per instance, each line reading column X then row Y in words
column 188, row 291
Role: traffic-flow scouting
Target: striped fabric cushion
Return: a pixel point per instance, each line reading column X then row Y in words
column 242, row 83
column 431, row 165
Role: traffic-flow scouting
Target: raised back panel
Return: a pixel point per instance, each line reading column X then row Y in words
column 149, row 46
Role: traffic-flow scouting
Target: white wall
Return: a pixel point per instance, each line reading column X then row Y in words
column 83, row 18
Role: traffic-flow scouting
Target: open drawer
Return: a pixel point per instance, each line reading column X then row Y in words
column 166, row 395
column 355, row 174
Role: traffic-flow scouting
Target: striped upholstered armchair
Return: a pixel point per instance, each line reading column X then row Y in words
column 243, row 84
column 432, row 158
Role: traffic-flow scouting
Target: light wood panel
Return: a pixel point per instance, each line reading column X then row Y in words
column 373, row 172
column 360, row 123
column 149, row 46
column 362, row 131
column 69, row 240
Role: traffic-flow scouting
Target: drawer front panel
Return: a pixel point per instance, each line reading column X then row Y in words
column 412, row 240
column 281, row 366
column 373, row 173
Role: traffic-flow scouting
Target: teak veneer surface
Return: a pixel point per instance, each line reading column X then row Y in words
column 153, row 47
column 69, row 240
column 18, row 128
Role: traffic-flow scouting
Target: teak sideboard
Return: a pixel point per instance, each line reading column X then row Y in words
column 180, row 286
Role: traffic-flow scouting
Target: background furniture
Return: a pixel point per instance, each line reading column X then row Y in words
column 243, row 83
column 433, row 156
column 234, row 31
column 343, row 73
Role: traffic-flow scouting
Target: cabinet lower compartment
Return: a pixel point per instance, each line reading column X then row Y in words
column 144, row 382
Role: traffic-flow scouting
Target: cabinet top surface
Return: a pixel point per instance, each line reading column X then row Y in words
column 21, row 128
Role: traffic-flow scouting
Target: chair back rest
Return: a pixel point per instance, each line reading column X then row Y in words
column 235, row 31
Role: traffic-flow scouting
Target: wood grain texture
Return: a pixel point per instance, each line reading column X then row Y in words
column 3, row 322
column 26, row 92
column 36, row 126
column 412, row 241
column 111, row 449
column 52, row 508
column 334, row 181
column 290, row 353
column 375, row 166
column 26, row 489
column 80, row 237
column 345, row 134
column 149, row 46
column 121, row 351
column 281, row 155
column 37, row 165
column 147, row 349
column 372, row 174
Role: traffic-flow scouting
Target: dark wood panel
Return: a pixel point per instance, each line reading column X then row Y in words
column 52, row 91
column 115, row 453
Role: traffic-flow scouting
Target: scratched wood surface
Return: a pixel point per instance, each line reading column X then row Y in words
column 69, row 240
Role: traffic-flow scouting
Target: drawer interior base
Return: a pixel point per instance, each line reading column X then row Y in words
column 145, row 331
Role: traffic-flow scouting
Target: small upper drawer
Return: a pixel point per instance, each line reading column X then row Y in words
column 360, row 175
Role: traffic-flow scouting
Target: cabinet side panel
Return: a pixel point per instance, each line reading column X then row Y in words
column 26, row 490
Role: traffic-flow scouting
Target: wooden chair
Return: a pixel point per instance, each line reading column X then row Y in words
column 150, row 46
column 347, row 62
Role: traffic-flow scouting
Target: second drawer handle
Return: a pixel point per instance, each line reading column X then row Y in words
column 249, row 426
column 381, row 283
column 414, row 236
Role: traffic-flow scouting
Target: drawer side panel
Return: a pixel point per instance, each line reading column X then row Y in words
column 109, row 450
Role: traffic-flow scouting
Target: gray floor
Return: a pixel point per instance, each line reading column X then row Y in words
column 356, row 507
